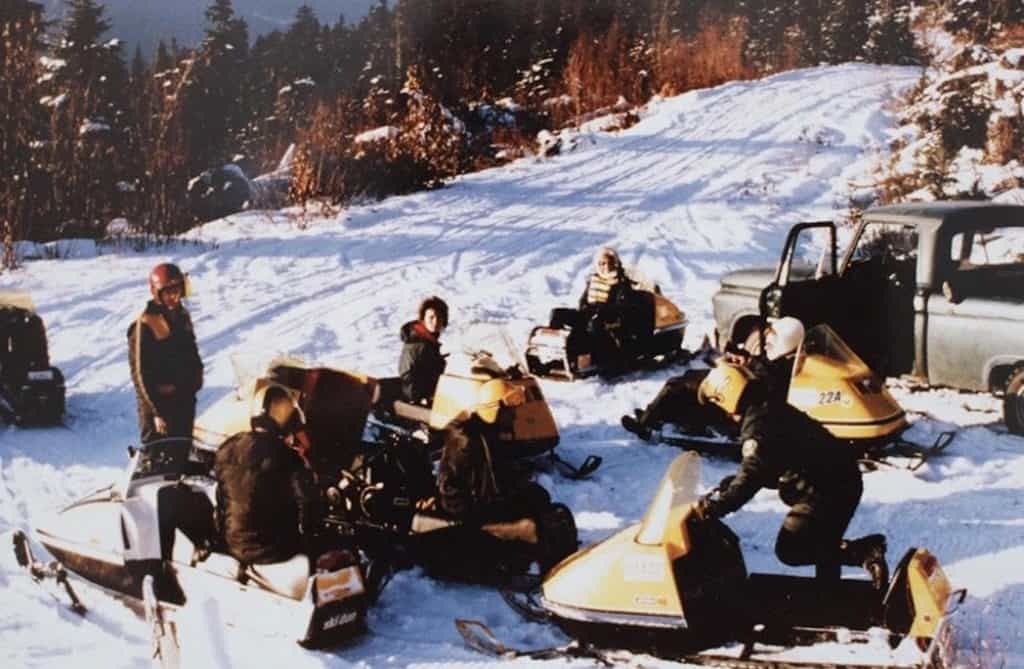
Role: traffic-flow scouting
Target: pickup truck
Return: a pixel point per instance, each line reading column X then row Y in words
column 932, row 291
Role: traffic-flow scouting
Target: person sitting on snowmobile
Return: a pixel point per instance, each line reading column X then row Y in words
column 166, row 368
column 675, row 402
column 608, row 308
column 267, row 503
column 817, row 477
column 421, row 363
column 505, row 521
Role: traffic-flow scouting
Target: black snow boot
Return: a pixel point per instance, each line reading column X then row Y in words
column 635, row 426
column 869, row 552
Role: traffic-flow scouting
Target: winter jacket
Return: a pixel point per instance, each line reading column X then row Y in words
column 611, row 290
column 267, row 504
column 164, row 359
column 421, row 363
column 786, row 449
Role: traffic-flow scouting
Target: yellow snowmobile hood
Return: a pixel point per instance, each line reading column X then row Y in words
column 627, row 578
column 835, row 387
column 518, row 405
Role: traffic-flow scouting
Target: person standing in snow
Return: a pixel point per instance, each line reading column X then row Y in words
column 165, row 365
column 817, row 477
column 421, row 363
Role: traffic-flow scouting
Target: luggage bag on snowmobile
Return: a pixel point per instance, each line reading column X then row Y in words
column 32, row 391
column 651, row 330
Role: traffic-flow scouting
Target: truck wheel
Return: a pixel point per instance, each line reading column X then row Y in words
column 1013, row 402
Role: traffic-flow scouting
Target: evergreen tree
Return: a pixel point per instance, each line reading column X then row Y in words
column 22, row 184
column 891, row 39
column 844, row 31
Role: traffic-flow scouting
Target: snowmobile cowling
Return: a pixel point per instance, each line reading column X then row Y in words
column 674, row 586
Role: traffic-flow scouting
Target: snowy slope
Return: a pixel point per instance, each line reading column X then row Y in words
column 705, row 183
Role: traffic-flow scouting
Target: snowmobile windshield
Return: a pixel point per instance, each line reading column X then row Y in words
column 482, row 348
column 678, row 489
column 824, row 353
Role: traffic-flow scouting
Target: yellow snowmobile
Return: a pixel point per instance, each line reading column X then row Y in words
column 565, row 350
column 830, row 383
column 377, row 490
column 484, row 376
column 677, row 587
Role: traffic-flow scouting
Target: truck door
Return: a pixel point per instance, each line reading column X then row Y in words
column 806, row 285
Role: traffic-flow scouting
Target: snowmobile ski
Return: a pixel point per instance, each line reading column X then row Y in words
column 525, row 604
column 918, row 454
column 478, row 637
column 577, row 473
column 163, row 630
column 40, row 571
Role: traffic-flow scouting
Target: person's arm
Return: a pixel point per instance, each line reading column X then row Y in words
column 307, row 501
column 142, row 364
column 753, row 473
column 583, row 297
column 196, row 366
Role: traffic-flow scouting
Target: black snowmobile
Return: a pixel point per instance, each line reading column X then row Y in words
column 678, row 587
column 608, row 341
column 31, row 389
column 390, row 495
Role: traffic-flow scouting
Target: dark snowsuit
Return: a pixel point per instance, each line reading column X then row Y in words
column 817, row 477
column 421, row 363
column 166, row 370
column 611, row 315
column 267, row 503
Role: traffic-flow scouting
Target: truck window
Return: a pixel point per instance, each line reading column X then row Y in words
column 812, row 255
column 987, row 263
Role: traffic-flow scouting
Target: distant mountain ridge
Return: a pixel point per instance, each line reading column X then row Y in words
column 146, row 22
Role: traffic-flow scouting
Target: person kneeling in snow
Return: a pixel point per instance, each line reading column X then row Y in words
column 421, row 363
column 267, row 502
column 817, row 477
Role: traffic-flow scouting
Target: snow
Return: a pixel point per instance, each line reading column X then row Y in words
column 380, row 134
column 705, row 183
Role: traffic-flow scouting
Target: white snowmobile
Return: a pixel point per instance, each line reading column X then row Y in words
column 678, row 588
column 143, row 539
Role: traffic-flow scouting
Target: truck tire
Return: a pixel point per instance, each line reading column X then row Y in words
column 1013, row 402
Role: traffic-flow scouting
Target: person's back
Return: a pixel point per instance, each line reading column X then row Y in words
column 266, row 498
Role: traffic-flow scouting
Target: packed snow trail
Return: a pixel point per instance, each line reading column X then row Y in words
column 705, row 183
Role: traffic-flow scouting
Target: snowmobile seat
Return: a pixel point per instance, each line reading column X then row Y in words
column 412, row 412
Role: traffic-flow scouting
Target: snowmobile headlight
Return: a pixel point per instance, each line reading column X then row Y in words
column 514, row 397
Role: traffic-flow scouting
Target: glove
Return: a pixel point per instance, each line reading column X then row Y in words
column 700, row 509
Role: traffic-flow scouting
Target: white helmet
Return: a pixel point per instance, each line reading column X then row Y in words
column 782, row 337
column 272, row 392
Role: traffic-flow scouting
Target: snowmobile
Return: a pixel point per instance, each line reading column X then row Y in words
column 486, row 377
column 149, row 539
column 563, row 349
column 830, row 383
column 379, row 485
column 31, row 389
column 677, row 587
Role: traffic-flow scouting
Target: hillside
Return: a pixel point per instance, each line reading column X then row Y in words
column 704, row 183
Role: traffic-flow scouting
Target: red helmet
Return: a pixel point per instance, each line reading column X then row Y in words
column 165, row 275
